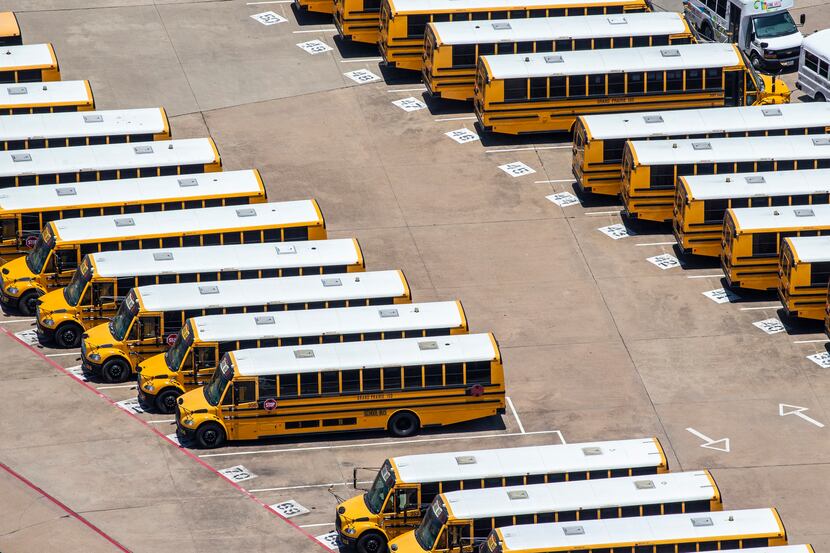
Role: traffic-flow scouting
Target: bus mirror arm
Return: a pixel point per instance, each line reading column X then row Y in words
column 802, row 19
column 336, row 497
column 354, row 476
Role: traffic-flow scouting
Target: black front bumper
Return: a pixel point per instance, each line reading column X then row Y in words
column 9, row 302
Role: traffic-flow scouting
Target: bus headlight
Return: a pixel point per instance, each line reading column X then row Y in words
column 12, row 290
column 349, row 530
column 149, row 387
column 94, row 357
column 770, row 54
column 187, row 422
column 48, row 322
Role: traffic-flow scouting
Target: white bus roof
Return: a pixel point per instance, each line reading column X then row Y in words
column 810, row 249
column 277, row 291
column 639, row 530
column 48, row 197
column 185, row 221
column 45, row 94
column 73, row 124
column 715, row 150
column 545, row 459
column 430, row 6
column 761, row 184
column 238, row 257
column 672, row 487
column 589, row 62
column 553, row 28
column 629, row 126
column 333, row 321
column 458, row 348
column 27, row 56
column 103, row 157
column 748, row 219
column 818, row 42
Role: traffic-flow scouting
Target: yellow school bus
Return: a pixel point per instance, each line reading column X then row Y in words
column 29, row 63
column 9, row 30
column 803, row 275
column 758, row 529
column 358, row 20
column 452, row 48
column 455, row 521
column 404, row 486
column 525, row 93
column 752, row 238
column 396, row 385
column 316, row 6
column 203, row 341
column 53, row 97
column 403, row 22
column 702, row 201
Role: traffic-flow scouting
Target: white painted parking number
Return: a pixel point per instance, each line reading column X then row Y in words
column 516, row 169
column 462, row 136
column 289, row 509
column 563, row 199
column 770, row 326
column 315, row 47
column 821, row 359
column 237, row 474
column 269, row 18
column 28, row 337
column 410, row 104
column 330, row 540
column 130, row 405
column 361, row 76
column 721, row 295
column 78, row 372
column 615, row 231
column 664, row 261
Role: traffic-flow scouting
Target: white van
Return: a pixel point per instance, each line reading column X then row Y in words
column 763, row 29
column 813, row 79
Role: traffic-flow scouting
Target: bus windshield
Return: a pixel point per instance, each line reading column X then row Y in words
column 218, row 382
column 38, row 256
column 430, row 527
column 384, row 481
column 122, row 320
column 175, row 354
column 774, row 25
column 72, row 292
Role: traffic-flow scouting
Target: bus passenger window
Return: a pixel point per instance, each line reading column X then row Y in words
column 622, row 42
column 515, row 89
column 636, row 83
column 582, row 44
column 331, row 382
column 506, row 48
column 557, row 87
column 351, row 381
column 602, row 43
column 576, row 85
column 660, row 40
column 641, row 41
column 434, row 376
column 309, row 384
column 714, row 79
column 478, row 372
column 244, row 391
column 149, row 327
column 810, row 61
column 822, row 68
column 654, row 81
column 564, row 45
column 764, row 244
column 102, row 292
column 416, row 25
column 498, row 15
column 464, row 55
column 538, row 87
column 267, row 386
column 556, row 12
column 694, row 79
column 596, row 85
column 616, row 83
column 524, row 47
column 371, row 380
column 412, row 377
column 391, row 378
column 714, row 210
column 454, row 374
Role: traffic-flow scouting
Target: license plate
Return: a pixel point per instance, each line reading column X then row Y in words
column 787, row 63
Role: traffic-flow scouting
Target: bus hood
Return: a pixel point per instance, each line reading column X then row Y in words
column 16, row 270
column 356, row 516
column 785, row 42
column 98, row 337
column 54, row 301
column 405, row 543
column 154, row 366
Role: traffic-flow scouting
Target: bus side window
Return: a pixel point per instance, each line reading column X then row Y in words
column 205, row 358
column 149, row 327
column 459, row 537
column 244, row 391
column 406, row 499
column 66, row 260
column 102, row 292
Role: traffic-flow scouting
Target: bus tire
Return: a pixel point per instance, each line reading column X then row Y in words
column 755, row 59
column 28, row 303
column 819, row 97
column 210, row 435
column 371, row 542
column 68, row 335
column 404, row 424
column 116, row 370
column 166, row 401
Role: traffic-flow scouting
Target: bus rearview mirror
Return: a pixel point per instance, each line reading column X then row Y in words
column 803, row 19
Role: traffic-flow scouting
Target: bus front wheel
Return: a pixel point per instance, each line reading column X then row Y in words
column 404, row 424
column 210, row 435
column 28, row 303
column 371, row 542
column 166, row 401
column 68, row 335
column 116, row 370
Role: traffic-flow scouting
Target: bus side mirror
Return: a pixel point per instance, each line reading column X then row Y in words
column 803, row 19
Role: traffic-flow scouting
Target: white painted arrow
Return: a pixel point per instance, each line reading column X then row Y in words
column 717, row 445
column 785, row 409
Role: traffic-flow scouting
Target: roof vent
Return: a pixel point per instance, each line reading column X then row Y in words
column 821, row 141
column 653, row 118
column 205, row 290
column 425, row 346
column 303, row 353
column 94, row 118
column 617, row 20
column 264, row 320
column 246, row 212
column 771, row 112
column 143, row 149
column 755, row 179
column 804, row 212
column 590, row 451
column 699, row 522
column 163, row 256
column 517, row 494
column 17, row 158
column 66, row 191
column 466, row 460
column 670, row 53
column 15, row 90
column 329, row 282
column 284, row 249
column 701, row 145
column 644, row 484
column 387, row 313
column 573, row 530
column 553, row 59
column 502, row 26
column 184, row 183
column 125, row 222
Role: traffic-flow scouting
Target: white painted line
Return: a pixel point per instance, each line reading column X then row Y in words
column 760, row 308
column 316, row 525
column 361, row 60
column 709, row 442
column 17, row 321
column 527, row 149
column 165, row 421
column 332, row 30
column 810, row 341
column 455, row 118
column 270, row 2
column 656, row 244
column 421, row 89
column 515, row 415
column 78, row 353
column 706, row 276
column 552, row 181
column 307, row 486
column 603, row 212
column 785, row 409
column 118, row 386
column 383, row 444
